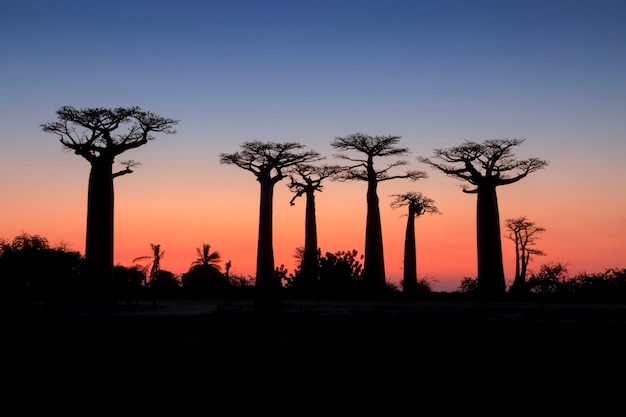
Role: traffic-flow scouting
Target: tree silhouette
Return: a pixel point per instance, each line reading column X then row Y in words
column 152, row 269
column 524, row 233
column 208, row 258
column 268, row 161
column 486, row 166
column 306, row 179
column 418, row 205
column 363, row 170
column 31, row 269
column 97, row 135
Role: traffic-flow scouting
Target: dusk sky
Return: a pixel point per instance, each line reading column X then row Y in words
column 435, row 73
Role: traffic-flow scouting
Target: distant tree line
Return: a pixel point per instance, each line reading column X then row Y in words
column 33, row 270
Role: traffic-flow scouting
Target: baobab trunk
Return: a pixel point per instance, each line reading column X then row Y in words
column 309, row 257
column 266, row 282
column 374, row 262
column 99, row 239
column 491, row 281
column 409, row 285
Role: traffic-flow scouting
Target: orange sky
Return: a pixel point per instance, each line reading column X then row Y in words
column 163, row 207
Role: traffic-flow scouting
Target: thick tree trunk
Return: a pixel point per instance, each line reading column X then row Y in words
column 409, row 284
column 99, row 236
column 491, row 281
column 309, row 260
column 267, row 284
column 374, row 260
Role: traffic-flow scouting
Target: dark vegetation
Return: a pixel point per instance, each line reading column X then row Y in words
column 33, row 271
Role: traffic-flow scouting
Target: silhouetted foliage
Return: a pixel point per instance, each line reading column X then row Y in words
column 165, row 285
column 468, row 285
column 608, row 286
column 269, row 162
column 550, row 279
column 340, row 277
column 32, row 270
column 418, row 205
column 129, row 283
column 486, row 166
column 208, row 258
column 423, row 286
column 523, row 233
column 204, row 281
column 96, row 135
column 362, row 169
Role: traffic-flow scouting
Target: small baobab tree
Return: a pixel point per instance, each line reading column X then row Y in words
column 418, row 205
column 99, row 135
column 269, row 162
column 361, row 168
column 486, row 166
column 523, row 233
column 306, row 179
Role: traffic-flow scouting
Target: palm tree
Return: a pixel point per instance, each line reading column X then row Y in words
column 208, row 258
column 156, row 257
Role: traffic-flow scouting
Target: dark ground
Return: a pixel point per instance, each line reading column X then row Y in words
column 447, row 353
column 364, row 324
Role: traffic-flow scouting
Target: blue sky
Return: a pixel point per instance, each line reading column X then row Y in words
column 434, row 72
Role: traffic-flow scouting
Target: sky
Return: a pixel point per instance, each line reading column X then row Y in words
column 435, row 73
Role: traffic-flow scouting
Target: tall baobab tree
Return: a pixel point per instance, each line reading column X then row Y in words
column 99, row 135
column 269, row 162
column 362, row 169
column 306, row 179
column 418, row 205
column 486, row 166
column 523, row 233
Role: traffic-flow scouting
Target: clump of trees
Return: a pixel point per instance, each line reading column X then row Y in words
column 32, row 269
column 270, row 163
column 486, row 166
column 524, row 233
column 100, row 135
column 340, row 277
column 553, row 282
column 360, row 150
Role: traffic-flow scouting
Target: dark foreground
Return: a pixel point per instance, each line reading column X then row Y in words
column 440, row 355
column 424, row 325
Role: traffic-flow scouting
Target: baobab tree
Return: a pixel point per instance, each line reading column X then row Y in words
column 269, row 162
column 486, row 166
column 523, row 233
column 306, row 179
column 362, row 169
column 418, row 205
column 99, row 135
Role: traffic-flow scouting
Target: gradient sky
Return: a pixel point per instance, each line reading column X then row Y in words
column 433, row 72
